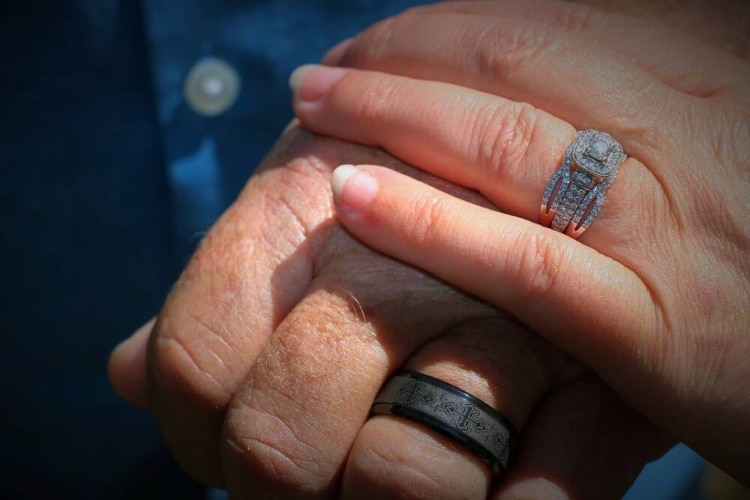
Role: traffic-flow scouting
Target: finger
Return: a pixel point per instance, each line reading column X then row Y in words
column 508, row 151
column 582, row 441
column 567, row 76
column 246, row 275
column 668, row 55
column 127, row 367
column 496, row 360
column 290, row 427
column 335, row 53
column 537, row 275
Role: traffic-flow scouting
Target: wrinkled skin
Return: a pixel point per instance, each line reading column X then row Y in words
column 272, row 345
column 655, row 296
column 270, row 348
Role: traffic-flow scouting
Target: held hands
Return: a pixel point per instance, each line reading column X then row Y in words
column 655, row 296
column 270, row 349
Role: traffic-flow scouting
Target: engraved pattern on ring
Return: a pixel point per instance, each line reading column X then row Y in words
column 450, row 409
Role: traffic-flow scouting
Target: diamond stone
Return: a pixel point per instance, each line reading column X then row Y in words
column 599, row 150
column 597, row 153
column 583, row 179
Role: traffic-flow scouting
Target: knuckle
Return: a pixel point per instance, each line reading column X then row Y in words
column 374, row 97
column 192, row 353
column 537, row 265
column 276, row 456
column 263, row 455
column 188, row 367
column 503, row 135
column 432, row 215
column 302, row 185
column 502, row 52
column 578, row 19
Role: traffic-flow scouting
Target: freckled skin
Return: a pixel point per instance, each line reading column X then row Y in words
column 235, row 304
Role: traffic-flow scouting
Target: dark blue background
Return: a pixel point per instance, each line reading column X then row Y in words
column 90, row 234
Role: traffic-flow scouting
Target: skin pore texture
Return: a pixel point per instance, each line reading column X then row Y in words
column 655, row 299
column 272, row 344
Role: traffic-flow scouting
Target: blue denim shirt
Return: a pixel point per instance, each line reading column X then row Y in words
column 107, row 177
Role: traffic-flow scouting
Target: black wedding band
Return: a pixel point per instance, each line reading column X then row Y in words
column 456, row 413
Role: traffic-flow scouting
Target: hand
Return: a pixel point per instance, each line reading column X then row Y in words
column 655, row 296
column 269, row 351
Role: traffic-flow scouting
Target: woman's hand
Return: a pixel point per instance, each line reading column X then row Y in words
column 655, row 296
column 263, row 365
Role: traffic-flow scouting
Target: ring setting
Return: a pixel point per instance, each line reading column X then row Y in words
column 576, row 192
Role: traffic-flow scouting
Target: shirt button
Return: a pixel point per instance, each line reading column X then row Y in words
column 211, row 87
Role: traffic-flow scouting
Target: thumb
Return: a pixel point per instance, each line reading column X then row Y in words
column 127, row 367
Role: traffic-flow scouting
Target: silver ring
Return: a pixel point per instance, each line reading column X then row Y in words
column 452, row 411
column 575, row 194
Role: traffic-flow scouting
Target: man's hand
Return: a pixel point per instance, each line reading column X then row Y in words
column 270, row 348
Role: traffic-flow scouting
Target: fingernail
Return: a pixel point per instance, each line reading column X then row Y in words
column 311, row 82
column 335, row 53
column 353, row 189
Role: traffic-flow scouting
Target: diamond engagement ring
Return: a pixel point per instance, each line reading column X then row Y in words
column 575, row 193
column 453, row 412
